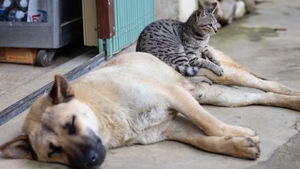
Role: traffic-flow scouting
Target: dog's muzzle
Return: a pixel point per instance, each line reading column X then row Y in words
column 90, row 154
column 95, row 158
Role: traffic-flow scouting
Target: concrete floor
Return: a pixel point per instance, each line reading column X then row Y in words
column 254, row 44
column 18, row 81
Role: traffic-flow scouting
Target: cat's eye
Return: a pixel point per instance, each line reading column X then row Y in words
column 54, row 150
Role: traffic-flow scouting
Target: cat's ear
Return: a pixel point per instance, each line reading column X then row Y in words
column 212, row 7
column 200, row 13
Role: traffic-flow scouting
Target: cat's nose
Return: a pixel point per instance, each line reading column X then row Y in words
column 215, row 29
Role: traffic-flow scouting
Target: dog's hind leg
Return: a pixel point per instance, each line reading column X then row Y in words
column 182, row 101
column 180, row 129
column 220, row 95
column 236, row 75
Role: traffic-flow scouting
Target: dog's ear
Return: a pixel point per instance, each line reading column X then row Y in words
column 61, row 90
column 18, row 148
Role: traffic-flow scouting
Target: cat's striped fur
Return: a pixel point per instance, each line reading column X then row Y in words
column 178, row 44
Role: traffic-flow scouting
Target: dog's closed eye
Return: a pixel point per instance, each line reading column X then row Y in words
column 54, row 150
column 71, row 127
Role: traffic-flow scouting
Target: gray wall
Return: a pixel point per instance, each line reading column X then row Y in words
column 167, row 9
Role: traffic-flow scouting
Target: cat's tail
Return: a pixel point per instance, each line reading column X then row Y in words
column 186, row 70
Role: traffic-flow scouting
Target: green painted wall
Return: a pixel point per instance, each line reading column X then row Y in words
column 131, row 17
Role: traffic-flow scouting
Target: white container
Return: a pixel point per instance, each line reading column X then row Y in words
column 37, row 11
column 20, row 15
column 23, row 3
column 12, row 16
column 7, row 3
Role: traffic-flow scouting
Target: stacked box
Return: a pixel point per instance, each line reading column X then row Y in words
column 18, row 55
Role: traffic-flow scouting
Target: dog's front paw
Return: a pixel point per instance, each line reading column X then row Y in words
column 243, row 147
column 234, row 131
column 238, row 131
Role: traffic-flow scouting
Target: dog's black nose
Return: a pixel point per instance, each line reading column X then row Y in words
column 92, row 159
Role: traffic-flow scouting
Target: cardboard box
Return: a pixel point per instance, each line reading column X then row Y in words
column 18, row 55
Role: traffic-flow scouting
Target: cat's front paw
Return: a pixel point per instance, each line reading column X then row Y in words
column 219, row 71
column 216, row 62
column 212, row 58
column 195, row 62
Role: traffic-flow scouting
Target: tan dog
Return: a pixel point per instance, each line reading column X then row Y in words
column 136, row 98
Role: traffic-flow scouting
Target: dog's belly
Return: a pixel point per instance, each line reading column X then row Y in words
column 144, row 126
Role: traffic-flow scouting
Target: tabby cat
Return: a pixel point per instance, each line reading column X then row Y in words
column 183, row 45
